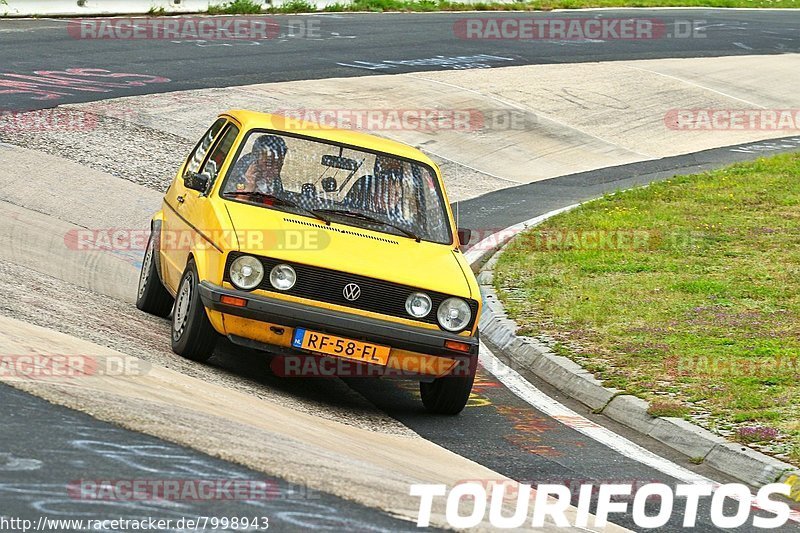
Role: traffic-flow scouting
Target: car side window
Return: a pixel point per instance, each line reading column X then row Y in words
column 214, row 163
column 198, row 155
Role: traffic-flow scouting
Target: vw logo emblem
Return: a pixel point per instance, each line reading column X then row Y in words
column 351, row 292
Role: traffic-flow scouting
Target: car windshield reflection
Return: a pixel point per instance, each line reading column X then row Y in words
column 379, row 192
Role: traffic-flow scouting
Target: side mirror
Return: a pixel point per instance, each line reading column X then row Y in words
column 195, row 181
column 329, row 184
column 464, row 235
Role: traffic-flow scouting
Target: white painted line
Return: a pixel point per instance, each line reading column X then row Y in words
column 501, row 237
column 533, row 396
column 527, row 392
column 544, row 403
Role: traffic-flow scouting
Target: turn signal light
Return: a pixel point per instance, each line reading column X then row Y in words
column 458, row 346
column 234, row 301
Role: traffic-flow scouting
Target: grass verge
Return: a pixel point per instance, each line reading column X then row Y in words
column 303, row 6
column 685, row 293
column 236, row 7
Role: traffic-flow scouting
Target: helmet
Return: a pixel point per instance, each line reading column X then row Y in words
column 388, row 167
column 271, row 144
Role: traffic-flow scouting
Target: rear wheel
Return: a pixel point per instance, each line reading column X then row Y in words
column 193, row 336
column 152, row 297
column 448, row 395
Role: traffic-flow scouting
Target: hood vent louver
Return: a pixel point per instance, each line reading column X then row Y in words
column 339, row 230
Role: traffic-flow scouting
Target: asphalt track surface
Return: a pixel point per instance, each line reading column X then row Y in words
column 497, row 430
column 503, row 208
column 345, row 45
column 39, row 462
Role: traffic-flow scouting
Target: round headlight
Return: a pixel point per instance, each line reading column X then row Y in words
column 454, row 314
column 246, row 272
column 282, row 277
column 418, row 304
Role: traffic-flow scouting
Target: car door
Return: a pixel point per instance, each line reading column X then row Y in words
column 207, row 219
column 177, row 231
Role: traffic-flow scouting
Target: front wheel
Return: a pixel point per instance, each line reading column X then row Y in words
column 193, row 336
column 151, row 296
column 448, row 395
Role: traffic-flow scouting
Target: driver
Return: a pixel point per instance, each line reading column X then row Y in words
column 260, row 170
column 387, row 190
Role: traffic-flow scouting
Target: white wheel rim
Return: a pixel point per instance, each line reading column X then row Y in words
column 181, row 313
column 147, row 262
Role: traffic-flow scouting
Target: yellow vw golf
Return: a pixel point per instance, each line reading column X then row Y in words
column 333, row 250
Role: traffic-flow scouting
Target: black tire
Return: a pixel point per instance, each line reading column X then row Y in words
column 193, row 336
column 151, row 296
column 448, row 395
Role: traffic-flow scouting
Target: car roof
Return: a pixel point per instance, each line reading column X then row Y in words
column 255, row 120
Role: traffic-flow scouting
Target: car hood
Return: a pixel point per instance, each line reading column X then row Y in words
column 301, row 239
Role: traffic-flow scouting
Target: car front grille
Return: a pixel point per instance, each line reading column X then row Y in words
column 326, row 285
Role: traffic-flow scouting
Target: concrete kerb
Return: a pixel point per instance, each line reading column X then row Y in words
column 696, row 443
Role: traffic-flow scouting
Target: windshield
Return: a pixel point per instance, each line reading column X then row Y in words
column 345, row 185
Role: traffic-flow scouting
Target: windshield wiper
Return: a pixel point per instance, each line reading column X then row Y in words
column 369, row 218
column 281, row 200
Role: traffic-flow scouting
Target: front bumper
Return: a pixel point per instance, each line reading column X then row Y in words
column 292, row 314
